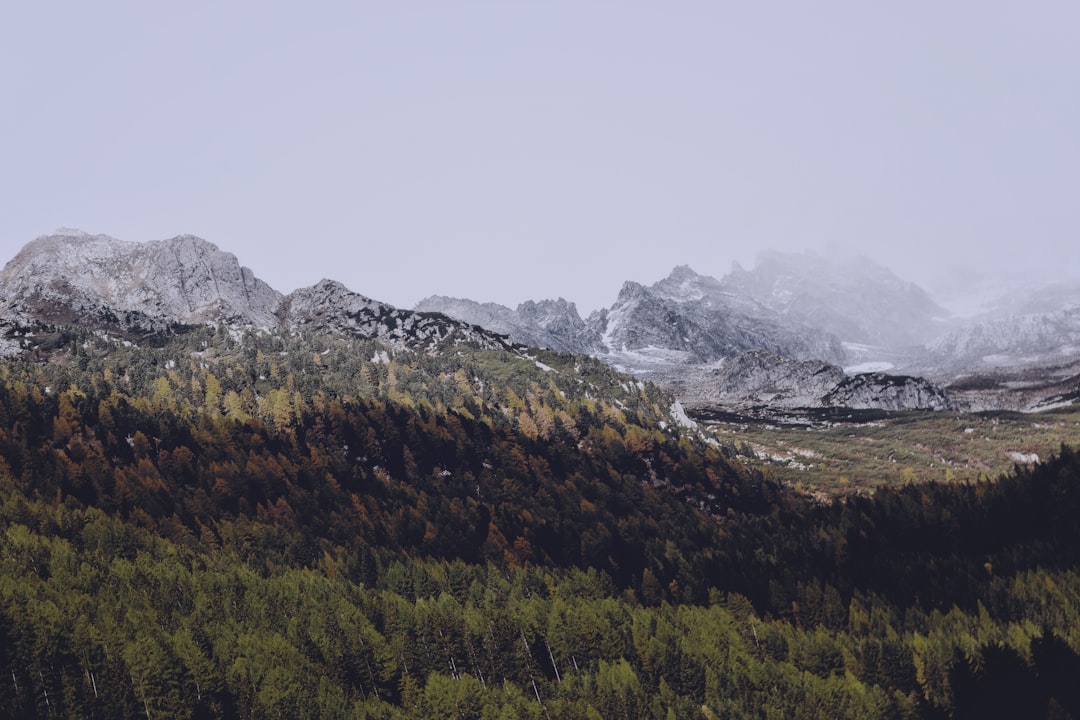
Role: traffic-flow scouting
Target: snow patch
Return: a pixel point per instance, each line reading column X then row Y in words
column 678, row 414
column 869, row 367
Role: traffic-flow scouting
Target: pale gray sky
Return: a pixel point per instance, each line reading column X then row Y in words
column 512, row 151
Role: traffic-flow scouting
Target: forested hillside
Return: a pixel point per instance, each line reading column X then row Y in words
column 223, row 524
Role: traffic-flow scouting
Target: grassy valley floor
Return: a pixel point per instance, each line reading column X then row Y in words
column 836, row 453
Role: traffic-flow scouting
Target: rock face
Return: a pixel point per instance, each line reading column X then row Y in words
column 691, row 315
column 887, row 392
column 685, row 318
column 330, row 307
column 760, row 378
column 132, row 287
column 553, row 324
column 137, row 288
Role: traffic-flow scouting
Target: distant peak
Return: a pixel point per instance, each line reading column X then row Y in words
column 71, row 232
column 631, row 289
column 192, row 240
column 683, row 272
column 328, row 285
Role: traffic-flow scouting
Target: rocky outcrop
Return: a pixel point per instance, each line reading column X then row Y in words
column 760, row 378
column 763, row 378
column 330, row 307
column 879, row 391
column 74, row 277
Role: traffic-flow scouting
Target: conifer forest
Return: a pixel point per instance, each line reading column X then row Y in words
column 221, row 524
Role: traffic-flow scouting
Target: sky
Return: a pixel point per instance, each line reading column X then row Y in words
column 507, row 151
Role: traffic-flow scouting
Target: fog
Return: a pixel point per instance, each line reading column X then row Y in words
column 506, row 153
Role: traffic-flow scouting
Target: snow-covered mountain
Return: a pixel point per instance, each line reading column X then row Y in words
column 1009, row 341
column 690, row 314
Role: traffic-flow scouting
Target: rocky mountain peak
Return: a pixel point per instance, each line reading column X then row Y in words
column 685, row 285
column 74, row 276
column 553, row 324
column 631, row 290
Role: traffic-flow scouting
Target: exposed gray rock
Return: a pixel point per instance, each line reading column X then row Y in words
column 331, row 307
column 887, row 392
column 75, row 277
column 1025, row 388
column 137, row 288
column 761, row 378
column 690, row 314
column 553, row 324
column 1010, row 341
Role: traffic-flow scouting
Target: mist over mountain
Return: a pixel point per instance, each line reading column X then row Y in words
column 854, row 298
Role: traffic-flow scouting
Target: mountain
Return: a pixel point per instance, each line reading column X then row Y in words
column 1013, row 340
column 553, row 324
column 1022, row 329
column 694, row 319
column 134, row 289
column 687, row 331
column 330, row 307
column 684, row 319
column 712, row 341
column 855, row 299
